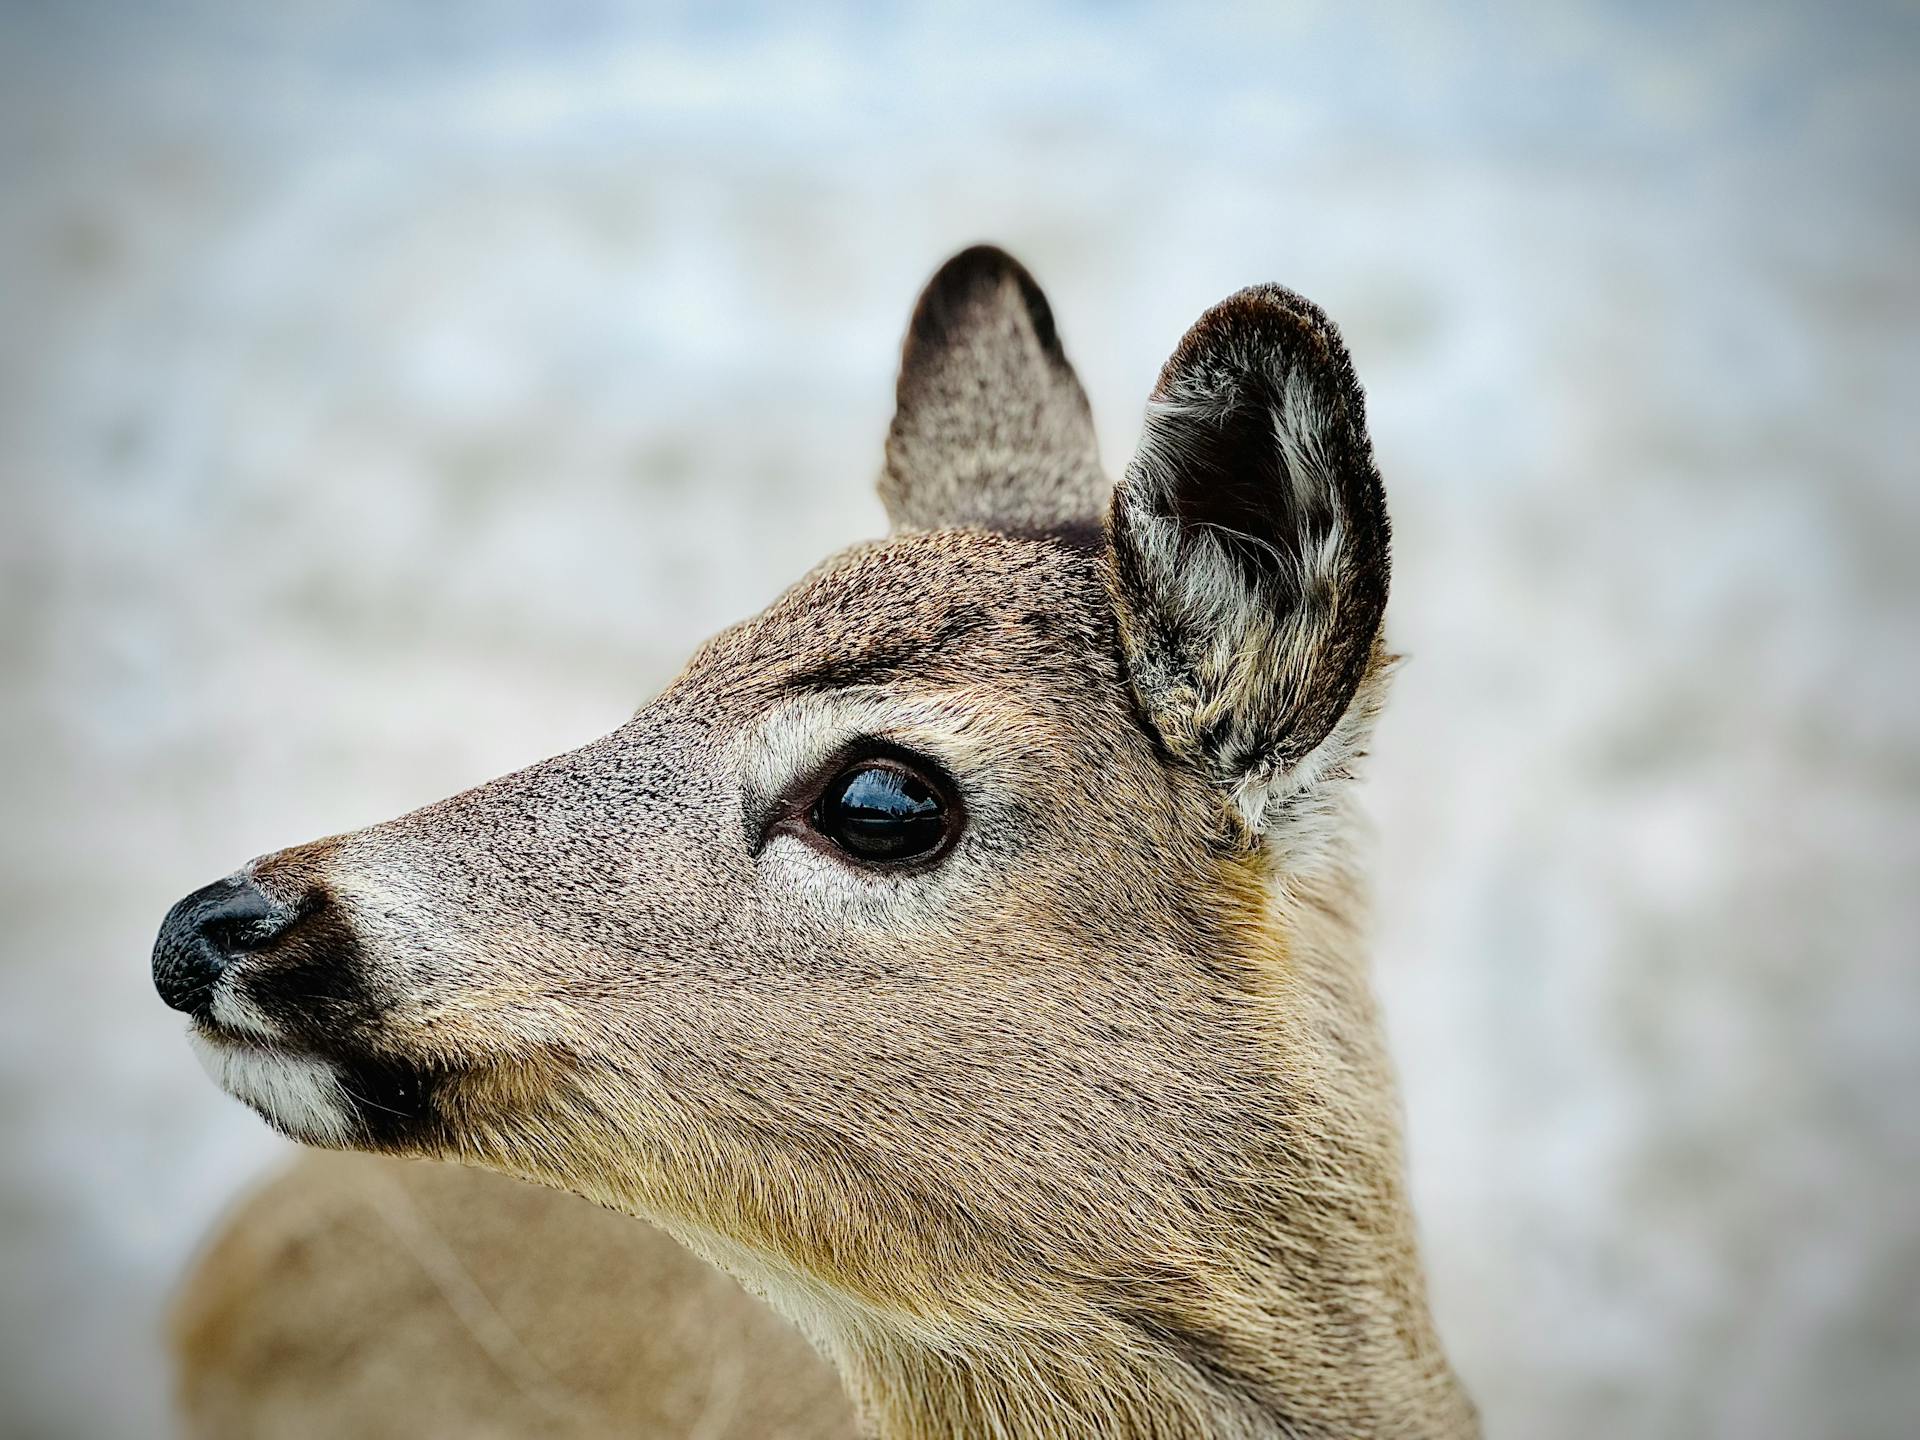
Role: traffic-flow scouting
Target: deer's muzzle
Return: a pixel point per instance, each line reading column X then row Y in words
column 276, row 987
column 203, row 934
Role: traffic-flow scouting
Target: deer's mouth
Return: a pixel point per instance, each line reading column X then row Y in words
column 298, row 1095
column 336, row 1099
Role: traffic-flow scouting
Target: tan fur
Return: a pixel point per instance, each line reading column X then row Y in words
column 367, row 1297
column 1083, row 1129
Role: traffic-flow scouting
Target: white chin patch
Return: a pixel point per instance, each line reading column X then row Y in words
column 302, row 1097
column 236, row 1012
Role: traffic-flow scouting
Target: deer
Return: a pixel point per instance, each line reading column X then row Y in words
column 967, row 954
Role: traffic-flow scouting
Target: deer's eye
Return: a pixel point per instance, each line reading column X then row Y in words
column 883, row 810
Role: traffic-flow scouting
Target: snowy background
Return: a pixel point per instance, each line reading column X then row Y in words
column 390, row 397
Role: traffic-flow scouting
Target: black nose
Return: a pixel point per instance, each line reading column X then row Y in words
column 203, row 933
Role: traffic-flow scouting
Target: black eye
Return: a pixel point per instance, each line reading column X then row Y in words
column 883, row 810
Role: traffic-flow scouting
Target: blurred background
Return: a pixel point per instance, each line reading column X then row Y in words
column 392, row 395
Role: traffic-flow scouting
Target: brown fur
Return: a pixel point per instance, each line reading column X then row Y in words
column 992, row 428
column 375, row 1298
column 1084, row 1129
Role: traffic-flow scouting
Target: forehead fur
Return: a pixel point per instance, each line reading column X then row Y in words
column 940, row 607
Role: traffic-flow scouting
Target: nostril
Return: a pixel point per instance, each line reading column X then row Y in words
column 205, row 931
column 245, row 920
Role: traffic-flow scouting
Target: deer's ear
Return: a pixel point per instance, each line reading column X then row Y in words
column 991, row 427
column 1250, row 549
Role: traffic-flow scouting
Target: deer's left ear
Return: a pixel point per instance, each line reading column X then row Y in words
column 991, row 427
column 1250, row 550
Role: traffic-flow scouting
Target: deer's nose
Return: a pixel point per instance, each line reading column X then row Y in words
column 204, row 932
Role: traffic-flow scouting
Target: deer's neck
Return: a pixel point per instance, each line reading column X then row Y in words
column 1329, row 1332
column 1048, row 1387
column 1045, row 1392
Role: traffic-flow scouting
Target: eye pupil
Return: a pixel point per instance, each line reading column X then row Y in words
column 882, row 811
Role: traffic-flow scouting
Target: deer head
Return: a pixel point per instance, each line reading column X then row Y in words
column 961, row 951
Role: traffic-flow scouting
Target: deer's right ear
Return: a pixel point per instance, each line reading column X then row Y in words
column 1250, row 550
column 991, row 427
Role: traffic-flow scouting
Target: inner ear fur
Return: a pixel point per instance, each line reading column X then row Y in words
column 1250, row 548
column 991, row 428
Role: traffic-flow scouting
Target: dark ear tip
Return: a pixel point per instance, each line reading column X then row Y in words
column 979, row 276
column 1264, row 327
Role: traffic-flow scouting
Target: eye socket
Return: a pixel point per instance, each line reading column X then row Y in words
column 884, row 811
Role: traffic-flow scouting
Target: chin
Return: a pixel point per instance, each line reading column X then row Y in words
column 301, row 1097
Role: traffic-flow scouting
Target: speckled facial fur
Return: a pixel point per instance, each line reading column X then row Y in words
column 1083, row 1128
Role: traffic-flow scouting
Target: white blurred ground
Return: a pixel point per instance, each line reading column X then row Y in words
column 386, row 402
